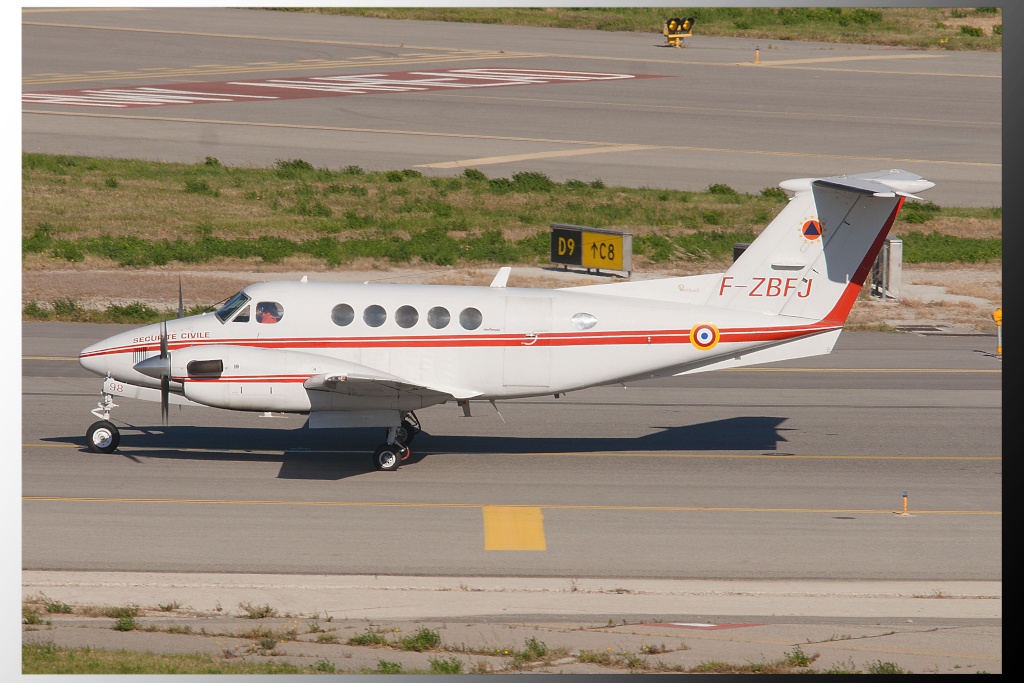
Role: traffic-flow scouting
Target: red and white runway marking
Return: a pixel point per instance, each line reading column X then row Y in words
column 313, row 86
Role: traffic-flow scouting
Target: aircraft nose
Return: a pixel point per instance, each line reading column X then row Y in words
column 112, row 356
column 93, row 359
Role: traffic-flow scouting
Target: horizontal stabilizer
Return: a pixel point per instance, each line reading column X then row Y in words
column 816, row 345
column 876, row 183
column 864, row 187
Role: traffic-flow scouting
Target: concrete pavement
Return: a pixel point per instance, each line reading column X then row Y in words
column 586, row 625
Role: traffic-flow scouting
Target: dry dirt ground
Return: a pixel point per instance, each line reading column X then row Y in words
column 961, row 297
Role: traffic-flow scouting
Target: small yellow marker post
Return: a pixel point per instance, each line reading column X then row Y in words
column 997, row 315
column 904, row 501
column 757, row 55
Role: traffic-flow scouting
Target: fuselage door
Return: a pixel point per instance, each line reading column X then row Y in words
column 527, row 360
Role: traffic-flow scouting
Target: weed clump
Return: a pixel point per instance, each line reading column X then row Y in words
column 251, row 611
column 368, row 638
column 421, row 641
column 386, row 667
column 125, row 622
column 721, row 189
column 880, row 667
column 452, row 665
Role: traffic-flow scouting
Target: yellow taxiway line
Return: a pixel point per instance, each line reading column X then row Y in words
column 482, row 161
column 501, row 515
column 505, row 527
column 143, row 450
column 727, row 456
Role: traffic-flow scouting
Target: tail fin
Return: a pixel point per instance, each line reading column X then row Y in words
column 812, row 260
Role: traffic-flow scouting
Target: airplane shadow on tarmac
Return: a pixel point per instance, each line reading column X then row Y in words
column 335, row 454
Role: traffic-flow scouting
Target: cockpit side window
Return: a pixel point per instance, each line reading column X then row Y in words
column 225, row 312
column 243, row 316
column 269, row 312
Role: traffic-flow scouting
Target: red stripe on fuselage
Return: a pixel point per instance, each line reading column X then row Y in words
column 248, row 379
column 552, row 339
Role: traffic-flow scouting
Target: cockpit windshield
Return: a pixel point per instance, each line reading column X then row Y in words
column 225, row 312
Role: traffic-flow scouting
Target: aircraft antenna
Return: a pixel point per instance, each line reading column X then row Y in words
column 181, row 302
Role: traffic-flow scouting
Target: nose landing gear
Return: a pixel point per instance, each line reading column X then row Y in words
column 103, row 436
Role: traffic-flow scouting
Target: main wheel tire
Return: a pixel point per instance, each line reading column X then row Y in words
column 102, row 437
column 387, row 457
column 407, row 432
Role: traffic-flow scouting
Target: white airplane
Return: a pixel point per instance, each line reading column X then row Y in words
column 369, row 355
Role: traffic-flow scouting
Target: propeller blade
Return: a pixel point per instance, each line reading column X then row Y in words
column 181, row 303
column 165, row 375
column 164, row 398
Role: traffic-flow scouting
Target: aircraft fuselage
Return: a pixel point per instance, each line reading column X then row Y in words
column 476, row 342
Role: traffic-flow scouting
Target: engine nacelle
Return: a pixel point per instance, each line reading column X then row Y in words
column 260, row 379
column 248, row 378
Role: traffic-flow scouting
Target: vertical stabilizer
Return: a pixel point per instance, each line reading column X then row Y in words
column 812, row 260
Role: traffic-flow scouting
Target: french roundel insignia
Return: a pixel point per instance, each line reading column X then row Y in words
column 704, row 336
column 812, row 230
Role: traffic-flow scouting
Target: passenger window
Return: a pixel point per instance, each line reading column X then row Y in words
column 269, row 312
column 406, row 316
column 470, row 318
column 342, row 315
column 242, row 317
column 438, row 317
column 374, row 315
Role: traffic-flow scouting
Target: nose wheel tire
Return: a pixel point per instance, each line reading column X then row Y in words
column 388, row 457
column 102, row 437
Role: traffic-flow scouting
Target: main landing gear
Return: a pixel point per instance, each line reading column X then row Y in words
column 103, row 436
column 390, row 454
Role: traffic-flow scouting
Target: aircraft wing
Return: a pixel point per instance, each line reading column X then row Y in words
column 378, row 385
